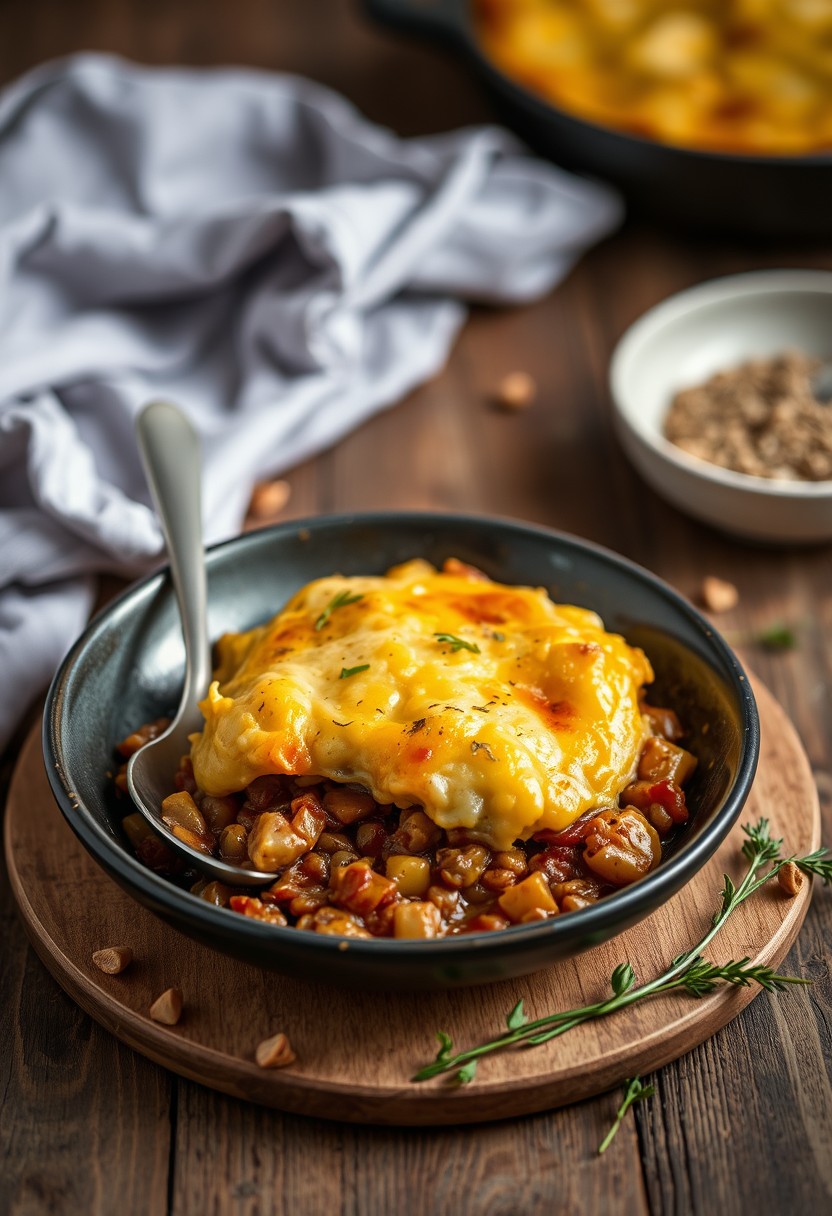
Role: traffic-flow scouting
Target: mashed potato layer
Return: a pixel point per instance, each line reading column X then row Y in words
column 490, row 706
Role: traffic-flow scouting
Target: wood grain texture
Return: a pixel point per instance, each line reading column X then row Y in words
column 82, row 1118
column 336, row 1033
column 709, row 1142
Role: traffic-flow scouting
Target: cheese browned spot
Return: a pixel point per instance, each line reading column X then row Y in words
column 490, row 706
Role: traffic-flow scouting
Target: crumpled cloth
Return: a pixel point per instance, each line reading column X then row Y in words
column 244, row 244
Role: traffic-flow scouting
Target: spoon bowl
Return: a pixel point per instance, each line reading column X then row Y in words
column 170, row 453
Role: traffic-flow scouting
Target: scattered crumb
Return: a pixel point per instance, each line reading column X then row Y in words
column 269, row 499
column 790, row 878
column 113, row 959
column 167, row 1008
column 516, row 391
column 718, row 595
column 275, row 1052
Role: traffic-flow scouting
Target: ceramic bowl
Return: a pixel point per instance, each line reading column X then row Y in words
column 681, row 343
column 126, row 669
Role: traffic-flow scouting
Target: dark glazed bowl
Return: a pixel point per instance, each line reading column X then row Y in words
column 747, row 195
column 126, row 669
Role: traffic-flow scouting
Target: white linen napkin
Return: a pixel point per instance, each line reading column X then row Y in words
column 246, row 245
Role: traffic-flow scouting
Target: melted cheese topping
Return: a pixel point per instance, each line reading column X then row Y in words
column 529, row 724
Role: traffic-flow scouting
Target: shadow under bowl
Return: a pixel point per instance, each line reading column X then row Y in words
column 127, row 667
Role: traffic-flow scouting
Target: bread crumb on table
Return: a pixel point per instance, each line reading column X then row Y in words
column 275, row 1052
column 516, row 391
column 167, row 1008
column 269, row 499
column 112, row 960
column 717, row 595
column 790, row 878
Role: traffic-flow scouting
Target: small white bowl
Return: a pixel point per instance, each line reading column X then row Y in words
column 682, row 342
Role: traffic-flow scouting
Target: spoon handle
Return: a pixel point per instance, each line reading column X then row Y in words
column 172, row 460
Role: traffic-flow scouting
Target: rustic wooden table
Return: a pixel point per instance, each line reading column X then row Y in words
column 742, row 1124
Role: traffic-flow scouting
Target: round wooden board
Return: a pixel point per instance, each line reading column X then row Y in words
column 356, row 1051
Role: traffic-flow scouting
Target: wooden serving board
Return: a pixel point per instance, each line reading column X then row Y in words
column 356, row 1051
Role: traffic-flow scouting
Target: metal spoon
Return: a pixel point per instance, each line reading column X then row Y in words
column 170, row 452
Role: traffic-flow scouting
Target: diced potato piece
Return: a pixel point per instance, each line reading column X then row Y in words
column 622, row 846
column 447, row 902
column 349, row 805
column 410, row 874
column 663, row 721
column 273, row 843
column 414, row 918
column 676, row 44
column 526, row 896
column 181, row 810
column 308, row 818
column 360, row 890
column 487, row 922
column 661, row 760
column 416, row 833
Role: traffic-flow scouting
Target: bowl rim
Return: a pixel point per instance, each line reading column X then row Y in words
column 627, row 905
column 701, row 298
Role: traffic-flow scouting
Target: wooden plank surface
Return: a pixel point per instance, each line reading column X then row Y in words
column 335, row 1034
column 740, row 1125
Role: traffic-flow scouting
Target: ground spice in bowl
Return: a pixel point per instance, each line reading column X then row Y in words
column 760, row 418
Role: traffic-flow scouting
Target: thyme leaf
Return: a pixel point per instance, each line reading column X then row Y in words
column 338, row 601
column 346, row 672
column 457, row 643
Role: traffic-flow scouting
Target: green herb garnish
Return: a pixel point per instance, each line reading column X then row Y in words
column 635, row 1092
column 688, row 971
column 338, row 601
column 776, row 637
column 457, row 643
column 346, row 672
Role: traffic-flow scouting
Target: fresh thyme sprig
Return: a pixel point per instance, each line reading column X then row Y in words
column 688, row 971
column 636, row 1092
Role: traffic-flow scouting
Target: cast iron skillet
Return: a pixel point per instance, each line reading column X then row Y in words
column 126, row 669
column 745, row 195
